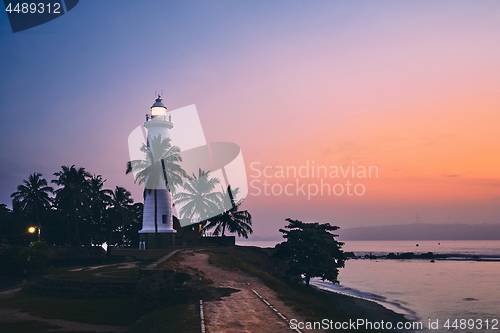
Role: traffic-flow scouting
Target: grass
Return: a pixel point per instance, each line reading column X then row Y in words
column 174, row 262
column 31, row 326
column 117, row 311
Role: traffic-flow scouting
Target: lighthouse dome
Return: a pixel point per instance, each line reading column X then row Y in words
column 158, row 108
column 158, row 103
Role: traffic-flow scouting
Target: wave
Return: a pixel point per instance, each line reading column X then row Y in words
column 379, row 299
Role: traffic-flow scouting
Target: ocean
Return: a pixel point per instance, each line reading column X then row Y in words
column 454, row 295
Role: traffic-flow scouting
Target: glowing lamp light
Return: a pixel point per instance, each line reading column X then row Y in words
column 32, row 230
column 158, row 108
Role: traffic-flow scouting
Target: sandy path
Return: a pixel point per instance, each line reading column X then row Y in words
column 126, row 265
column 242, row 311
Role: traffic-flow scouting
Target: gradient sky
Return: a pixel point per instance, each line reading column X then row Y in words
column 410, row 87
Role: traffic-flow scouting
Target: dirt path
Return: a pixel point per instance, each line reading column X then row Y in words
column 126, row 265
column 242, row 311
column 162, row 259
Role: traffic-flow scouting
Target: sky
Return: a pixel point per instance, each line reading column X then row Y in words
column 411, row 89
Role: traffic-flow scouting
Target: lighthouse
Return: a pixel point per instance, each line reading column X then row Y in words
column 158, row 123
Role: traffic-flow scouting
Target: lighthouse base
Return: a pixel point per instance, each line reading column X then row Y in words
column 149, row 241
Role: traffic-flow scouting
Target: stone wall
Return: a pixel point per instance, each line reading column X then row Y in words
column 222, row 241
column 155, row 287
column 165, row 240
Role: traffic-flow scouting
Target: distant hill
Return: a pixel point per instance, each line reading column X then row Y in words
column 422, row 231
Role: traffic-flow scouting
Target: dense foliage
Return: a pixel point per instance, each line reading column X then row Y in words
column 311, row 250
column 80, row 211
column 232, row 219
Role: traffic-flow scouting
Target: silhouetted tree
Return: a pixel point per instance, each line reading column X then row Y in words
column 122, row 213
column 99, row 200
column 132, row 229
column 232, row 219
column 20, row 222
column 33, row 196
column 82, row 212
column 311, row 250
column 73, row 197
column 6, row 222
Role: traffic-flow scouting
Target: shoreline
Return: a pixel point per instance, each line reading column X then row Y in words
column 368, row 309
column 394, row 307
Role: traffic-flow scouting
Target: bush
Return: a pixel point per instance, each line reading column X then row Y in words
column 38, row 257
column 14, row 259
column 40, row 246
column 9, row 260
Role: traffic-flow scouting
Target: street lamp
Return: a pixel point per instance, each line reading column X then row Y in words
column 32, row 230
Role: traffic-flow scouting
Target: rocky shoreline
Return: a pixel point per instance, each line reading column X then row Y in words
column 426, row 255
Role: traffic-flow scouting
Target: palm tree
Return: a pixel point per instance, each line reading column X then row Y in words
column 99, row 199
column 199, row 199
column 121, row 210
column 135, row 224
column 232, row 219
column 5, row 220
column 73, row 197
column 161, row 165
column 33, row 196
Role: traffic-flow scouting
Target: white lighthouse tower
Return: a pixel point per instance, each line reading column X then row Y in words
column 158, row 123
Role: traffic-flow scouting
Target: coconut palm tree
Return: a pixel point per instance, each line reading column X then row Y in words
column 121, row 211
column 99, row 199
column 33, row 196
column 5, row 220
column 73, row 197
column 200, row 201
column 232, row 219
column 161, row 165
column 135, row 224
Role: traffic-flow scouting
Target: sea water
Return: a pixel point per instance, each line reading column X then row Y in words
column 430, row 292
column 453, row 248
